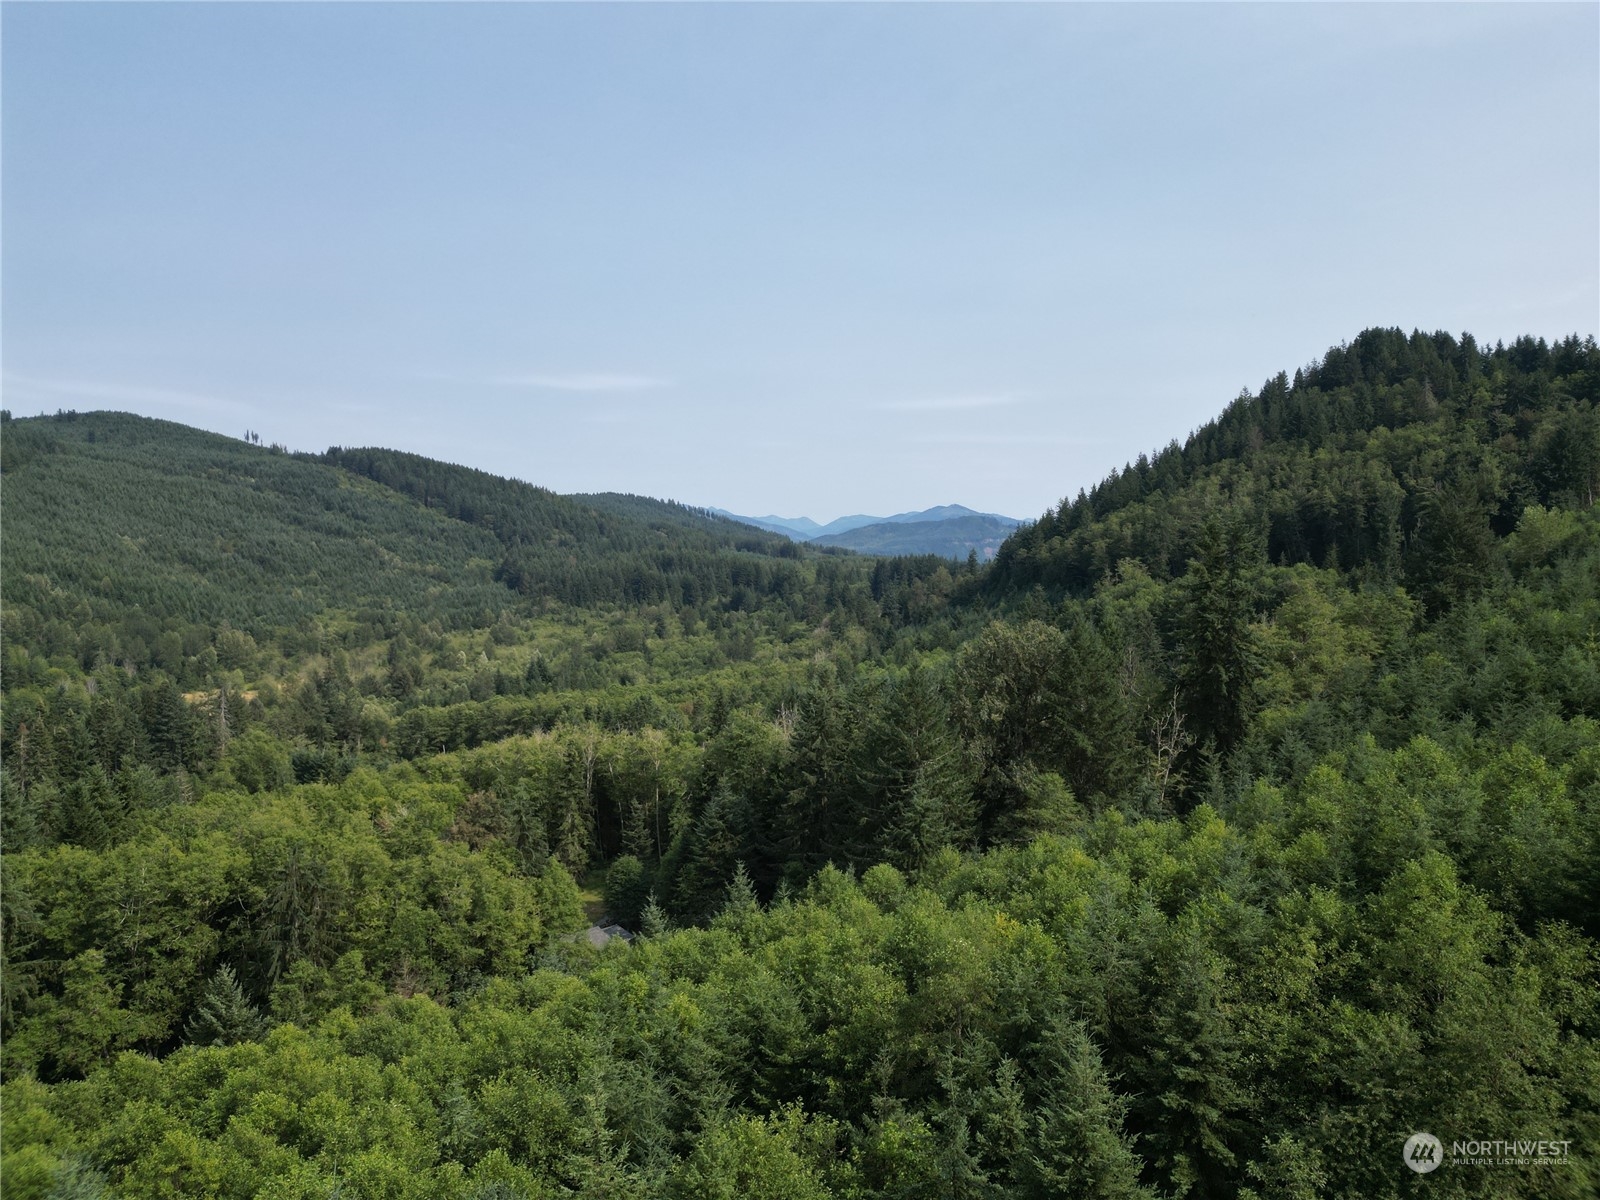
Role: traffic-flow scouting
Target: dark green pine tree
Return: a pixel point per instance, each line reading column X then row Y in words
column 1191, row 1104
column 715, row 846
column 29, row 815
column 1077, row 1146
column 170, row 728
column 1453, row 551
column 1094, row 748
column 741, row 905
column 20, row 930
column 916, row 775
column 91, row 812
column 115, row 732
column 529, row 824
column 296, row 913
column 625, row 890
column 224, row 1015
column 405, row 668
column 1220, row 660
column 64, row 742
column 816, row 811
column 653, row 919
column 1566, row 464
column 538, row 677
column 957, row 1164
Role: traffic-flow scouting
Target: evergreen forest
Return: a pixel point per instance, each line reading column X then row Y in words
column 1239, row 820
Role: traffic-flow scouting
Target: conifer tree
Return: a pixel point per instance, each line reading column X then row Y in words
column 916, row 776
column 742, row 905
column 1092, row 741
column 1220, row 660
column 1453, row 552
column 625, row 890
column 715, row 846
column 1078, row 1147
column 90, row 811
column 653, row 919
column 816, row 806
column 224, row 1015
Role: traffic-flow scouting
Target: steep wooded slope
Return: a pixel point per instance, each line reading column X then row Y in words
column 1396, row 456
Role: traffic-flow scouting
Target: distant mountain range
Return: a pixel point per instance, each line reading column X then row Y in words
column 952, row 530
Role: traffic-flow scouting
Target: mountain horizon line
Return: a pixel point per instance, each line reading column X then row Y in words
column 806, row 529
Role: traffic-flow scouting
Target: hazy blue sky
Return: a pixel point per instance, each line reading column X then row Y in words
column 807, row 259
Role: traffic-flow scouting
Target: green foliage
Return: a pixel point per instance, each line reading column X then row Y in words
column 1391, row 440
column 224, row 1015
column 1034, row 700
column 1078, row 1148
column 653, row 920
column 1101, row 1014
column 1243, row 817
column 752, row 1158
column 1220, row 661
column 139, row 524
column 623, row 553
column 626, row 891
column 257, row 762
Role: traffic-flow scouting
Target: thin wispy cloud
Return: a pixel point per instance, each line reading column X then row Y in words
column 583, row 381
column 953, row 403
column 1004, row 439
column 26, row 391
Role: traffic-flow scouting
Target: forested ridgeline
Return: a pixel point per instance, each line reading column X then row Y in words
column 1398, row 457
column 599, row 549
column 112, row 517
column 1140, row 864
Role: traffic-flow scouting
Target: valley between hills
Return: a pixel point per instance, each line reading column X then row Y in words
column 1204, row 837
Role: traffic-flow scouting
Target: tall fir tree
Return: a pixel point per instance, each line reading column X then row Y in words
column 224, row 1014
column 1220, row 660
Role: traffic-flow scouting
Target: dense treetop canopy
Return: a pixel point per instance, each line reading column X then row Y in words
column 1241, row 819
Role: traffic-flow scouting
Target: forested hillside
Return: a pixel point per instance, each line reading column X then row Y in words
column 612, row 549
column 1398, row 458
column 1240, row 820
